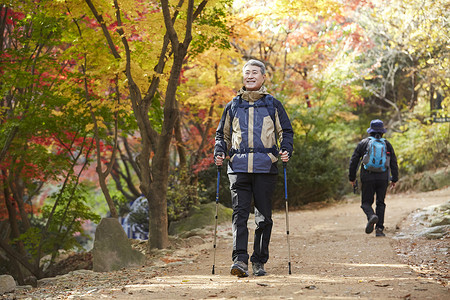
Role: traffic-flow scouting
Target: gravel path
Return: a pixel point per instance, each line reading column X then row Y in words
column 331, row 257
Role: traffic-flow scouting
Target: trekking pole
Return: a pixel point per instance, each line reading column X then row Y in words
column 287, row 217
column 217, row 207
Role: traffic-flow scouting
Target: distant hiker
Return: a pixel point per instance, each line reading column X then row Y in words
column 378, row 160
column 248, row 132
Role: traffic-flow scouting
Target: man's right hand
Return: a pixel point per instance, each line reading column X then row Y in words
column 218, row 159
column 284, row 156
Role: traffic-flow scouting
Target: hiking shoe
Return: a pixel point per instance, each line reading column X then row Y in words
column 239, row 268
column 379, row 232
column 370, row 225
column 258, row 269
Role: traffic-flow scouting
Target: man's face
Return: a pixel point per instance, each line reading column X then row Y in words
column 253, row 79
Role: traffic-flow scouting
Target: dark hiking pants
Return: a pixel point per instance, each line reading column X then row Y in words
column 244, row 187
column 368, row 190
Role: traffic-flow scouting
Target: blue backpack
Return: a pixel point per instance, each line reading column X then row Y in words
column 376, row 157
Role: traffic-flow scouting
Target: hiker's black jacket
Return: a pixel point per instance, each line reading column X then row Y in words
column 367, row 175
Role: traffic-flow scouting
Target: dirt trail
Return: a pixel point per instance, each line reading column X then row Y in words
column 331, row 256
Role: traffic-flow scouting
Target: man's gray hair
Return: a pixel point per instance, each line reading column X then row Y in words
column 257, row 63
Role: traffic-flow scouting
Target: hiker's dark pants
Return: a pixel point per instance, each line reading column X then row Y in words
column 244, row 187
column 368, row 190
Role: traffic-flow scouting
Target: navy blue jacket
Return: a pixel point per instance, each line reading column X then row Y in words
column 252, row 133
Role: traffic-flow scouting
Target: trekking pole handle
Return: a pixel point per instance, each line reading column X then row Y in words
column 219, row 168
column 285, row 181
column 284, row 162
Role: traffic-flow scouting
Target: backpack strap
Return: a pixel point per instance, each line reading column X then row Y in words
column 268, row 102
column 238, row 103
column 372, row 138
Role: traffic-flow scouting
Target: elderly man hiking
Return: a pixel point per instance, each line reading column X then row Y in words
column 248, row 132
column 378, row 160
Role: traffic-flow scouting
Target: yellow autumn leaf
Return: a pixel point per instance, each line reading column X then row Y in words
column 89, row 127
column 57, row 113
column 102, row 125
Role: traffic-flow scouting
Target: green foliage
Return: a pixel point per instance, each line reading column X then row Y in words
column 208, row 178
column 98, row 204
column 64, row 216
column 422, row 146
column 156, row 114
column 119, row 201
column 31, row 240
column 313, row 174
column 181, row 195
column 424, row 182
column 212, row 29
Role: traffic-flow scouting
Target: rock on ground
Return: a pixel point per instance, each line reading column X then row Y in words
column 7, row 284
column 112, row 249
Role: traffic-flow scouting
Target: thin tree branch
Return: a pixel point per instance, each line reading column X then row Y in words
column 106, row 33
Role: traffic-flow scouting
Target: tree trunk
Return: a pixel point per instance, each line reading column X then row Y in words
column 158, row 222
column 17, row 188
column 105, row 190
column 154, row 176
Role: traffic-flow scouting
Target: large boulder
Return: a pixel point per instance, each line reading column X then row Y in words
column 7, row 284
column 440, row 221
column 436, row 232
column 112, row 250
